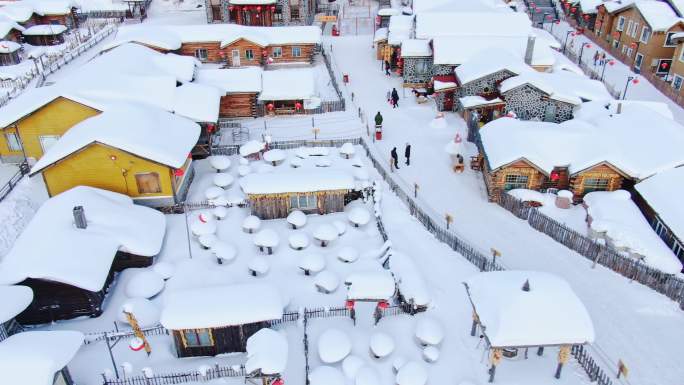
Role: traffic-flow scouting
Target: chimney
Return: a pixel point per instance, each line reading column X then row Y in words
column 526, row 285
column 79, row 217
column 529, row 51
column 619, row 108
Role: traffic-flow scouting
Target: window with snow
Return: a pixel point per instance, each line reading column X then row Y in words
column 193, row 338
column 296, row 51
column 277, row 52
column 201, row 54
column 303, row 201
column 249, row 54
column 595, row 184
column 513, row 181
column 148, row 183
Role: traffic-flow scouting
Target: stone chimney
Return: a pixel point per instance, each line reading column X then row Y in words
column 529, row 51
column 79, row 217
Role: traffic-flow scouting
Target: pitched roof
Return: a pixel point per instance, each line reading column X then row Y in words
column 488, row 62
column 661, row 193
column 490, row 24
column 564, row 86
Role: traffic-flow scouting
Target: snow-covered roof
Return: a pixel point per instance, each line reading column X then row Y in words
column 52, row 248
column 564, row 86
column 659, row 15
column 14, row 300
column 198, row 102
column 594, row 109
column 618, row 217
column 659, row 191
column 442, row 85
column 488, row 62
column 7, row 25
column 638, row 142
column 473, row 101
column 588, row 6
column 416, row 48
column 380, row 34
column 19, row 11
column 196, row 308
column 44, row 29
column 34, row 357
column 545, row 37
column 297, row 181
column 232, row 80
column 267, row 352
column 100, row 6
column 550, row 313
column 388, row 11
column 9, row 46
column 408, row 278
column 456, row 50
column 51, row 7
column 420, row 6
column 483, row 24
column 377, row 284
column 399, row 28
column 145, row 131
column 288, row 84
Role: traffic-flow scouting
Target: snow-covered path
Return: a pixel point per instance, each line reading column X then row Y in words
column 633, row 323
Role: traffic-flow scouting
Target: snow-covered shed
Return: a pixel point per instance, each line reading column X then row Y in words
column 136, row 150
column 412, row 290
column 275, row 195
column 371, row 283
column 70, row 250
column 239, row 89
column 286, row 90
column 39, row 357
column 10, row 30
column 15, row 299
column 658, row 200
column 524, row 309
column 614, row 217
column 9, row 53
column 45, row 34
column 416, row 56
column 19, row 12
column 207, row 321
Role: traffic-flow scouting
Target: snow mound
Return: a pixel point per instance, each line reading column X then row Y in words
column 164, row 269
column 341, row 227
column 333, row 346
column 397, row 363
column 412, row 373
column 381, row 345
column 224, row 251
column 243, row 161
column 325, row 233
column 275, row 156
column 347, row 150
column 430, row 354
column 297, row 219
column 251, row 224
column 207, row 240
column 361, row 174
column 244, row 170
column 351, row 366
column 429, row 331
column 203, row 224
column 144, row 311
column 264, row 168
column 326, row 282
column 453, row 148
column 323, row 161
column 299, row 240
column 267, row 352
column 438, row 122
column 367, row 375
column 266, row 238
column 357, row 162
column 235, row 198
column 312, row 263
column 374, row 285
column 213, row 192
column 251, row 147
column 304, row 152
column 14, row 300
column 296, row 162
column 144, row 284
column 223, row 179
column 348, row 254
column 220, row 212
column 258, row 265
column 219, row 162
column 326, row 375
column 359, row 216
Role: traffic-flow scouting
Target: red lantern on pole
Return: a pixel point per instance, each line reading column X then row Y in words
column 383, row 305
column 210, row 128
column 298, row 106
column 554, row 176
column 258, row 8
column 611, row 62
column 278, row 381
column 270, row 106
column 349, row 304
column 179, row 172
column 635, row 81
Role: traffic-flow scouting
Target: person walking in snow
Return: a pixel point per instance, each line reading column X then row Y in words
column 597, row 56
column 407, row 153
column 395, row 98
column 395, row 158
column 387, row 68
column 378, row 119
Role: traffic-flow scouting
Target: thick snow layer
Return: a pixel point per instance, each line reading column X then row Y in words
column 267, row 352
column 488, row 24
column 34, row 357
column 367, row 375
column 412, row 373
column 144, row 311
column 347, row 149
column 429, row 331
column 370, row 285
column 312, row 262
column 252, row 222
column 198, row 102
column 298, row 240
column 219, row 162
column 18, row 12
column 564, row 86
column 288, row 84
column 224, row 251
column 488, row 62
column 333, row 346
column 145, row 131
column 297, row 181
column 213, row 192
column 380, row 34
column 223, row 179
column 548, row 314
column 196, row 308
column 252, row 147
column 134, row 59
column 14, row 300
column 615, row 215
column 399, row 28
column 266, row 238
column 44, row 29
column 340, row 226
column 359, row 216
column 658, row 191
column 259, row 265
column 327, row 281
column 326, row 375
column 232, row 80
column 660, row 16
column 416, row 48
column 381, row 344
column 592, row 110
column 407, row 275
column 220, row 212
column 52, row 248
column 275, row 155
column 619, row 139
column 456, row 50
column 165, row 269
column 475, row 101
column 296, row 218
column 430, row 354
column 203, row 224
column 347, row 254
column 144, row 284
column 351, row 366
column 325, row 232
column 9, row 46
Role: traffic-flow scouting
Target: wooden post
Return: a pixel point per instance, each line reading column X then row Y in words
column 473, row 328
column 495, row 253
column 540, row 351
column 448, row 219
column 563, row 356
column 138, row 332
column 415, row 190
column 494, row 358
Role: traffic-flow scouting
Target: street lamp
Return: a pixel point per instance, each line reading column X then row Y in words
column 632, row 79
column 588, row 45
column 565, row 43
column 606, row 62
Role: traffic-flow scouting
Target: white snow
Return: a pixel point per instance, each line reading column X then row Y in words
column 82, row 257
column 145, row 131
column 475, row 101
column 370, row 285
column 380, row 34
column 327, row 282
column 207, row 240
column 412, row 373
column 312, row 262
column 44, row 29
column 351, row 366
column 442, row 86
column 488, row 24
column 347, row 150
column 266, row 238
column 196, row 308
column 224, row 251
column 8, row 46
column 267, row 352
column 213, row 192
column 274, row 156
column 144, row 311
column 416, row 48
column 488, row 62
column 203, row 224
column 399, row 29
column 288, row 84
column 325, row 233
column 258, row 265
column 298, row 240
column 348, row 254
column 165, row 269
column 297, row 180
column 34, row 357
column 144, row 284
column 223, row 179
column 564, row 86
column 219, row 162
column 359, row 216
column 333, row 346
column 232, row 80
column 409, row 280
column 615, row 216
column 19, row 12
column 297, row 219
column 244, row 170
column 14, row 300
column 456, row 50
column 326, row 375
column 340, row 226
column 251, row 147
column 660, row 16
column 548, row 314
column 367, row 375
column 658, row 190
column 198, row 102
column 430, row 354
column 251, row 223
column 381, row 344
column 429, row 331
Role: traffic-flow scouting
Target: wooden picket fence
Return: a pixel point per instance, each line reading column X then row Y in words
column 211, row 373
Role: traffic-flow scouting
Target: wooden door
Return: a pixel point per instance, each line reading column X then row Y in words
column 148, row 183
column 236, row 57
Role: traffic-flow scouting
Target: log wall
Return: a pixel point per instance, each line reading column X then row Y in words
column 229, row 339
column 238, row 105
column 278, row 205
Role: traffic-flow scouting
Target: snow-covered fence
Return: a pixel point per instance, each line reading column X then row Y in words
column 394, row 310
column 593, row 370
column 204, row 374
column 664, row 283
column 330, row 312
column 331, row 73
column 286, row 318
column 12, row 182
column 232, row 149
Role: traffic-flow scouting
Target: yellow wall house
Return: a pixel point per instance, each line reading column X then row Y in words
column 137, row 150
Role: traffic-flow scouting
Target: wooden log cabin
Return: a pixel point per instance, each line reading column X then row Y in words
column 19, row 12
column 240, row 88
column 10, row 53
column 287, row 91
column 252, row 12
column 10, row 31
column 207, row 321
column 140, row 151
column 16, row 299
column 45, row 34
column 69, row 252
column 275, row 195
column 261, row 12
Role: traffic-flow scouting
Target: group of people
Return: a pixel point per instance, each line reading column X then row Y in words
column 395, row 156
column 599, row 59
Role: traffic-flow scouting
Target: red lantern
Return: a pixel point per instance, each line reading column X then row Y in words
column 664, row 65
column 136, row 344
column 202, row 218
column 611, row 62
column 273, row 8
column 554, row 176
column 258, row 8
column 179, row 172
column 633, row 44
column 573, row 9
column 557, row 22
column 231, row 8
column 298, row 106
column 616, row 35
column 567, row 6
column 349, row 304
column 586, row 16
column 383, row 305
column 278, row 381
column 210, row 128
column 270, row 106
column 635, row 81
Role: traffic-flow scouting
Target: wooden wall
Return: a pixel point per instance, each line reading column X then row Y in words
column 307, row 52
column 215, row 52
column 243, row 45
column 496, row 180
column 124, row 260
column 600, row 171
column 229, row 339
column 278, row 205
column 238, row 105
column 212, row 47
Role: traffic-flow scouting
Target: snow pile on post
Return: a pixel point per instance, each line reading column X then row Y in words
column 359, row 216
column 219, row 162
column 333, row 346
column 429, row 331
column 288, row 84
column 51, row 247
column 409, row 280
column 34, row 357
column 267, row 352
column 297, row 219
column 412, row 373
column 196, row 308
column 144, row 284
column 144, row 311
column 550, row 313
column 223, row 179
column 275, row 156
column 616, row 216
column 299, row 240
column 312, row 263
column 251, row 224
column 381, row 344
column 326, row 375
column 325, row 233
column 14, row 300
column 351, row 366
column 326, row 281
column 251, row 147
column 267, row 238
column 375, row 285
column 297, row 181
